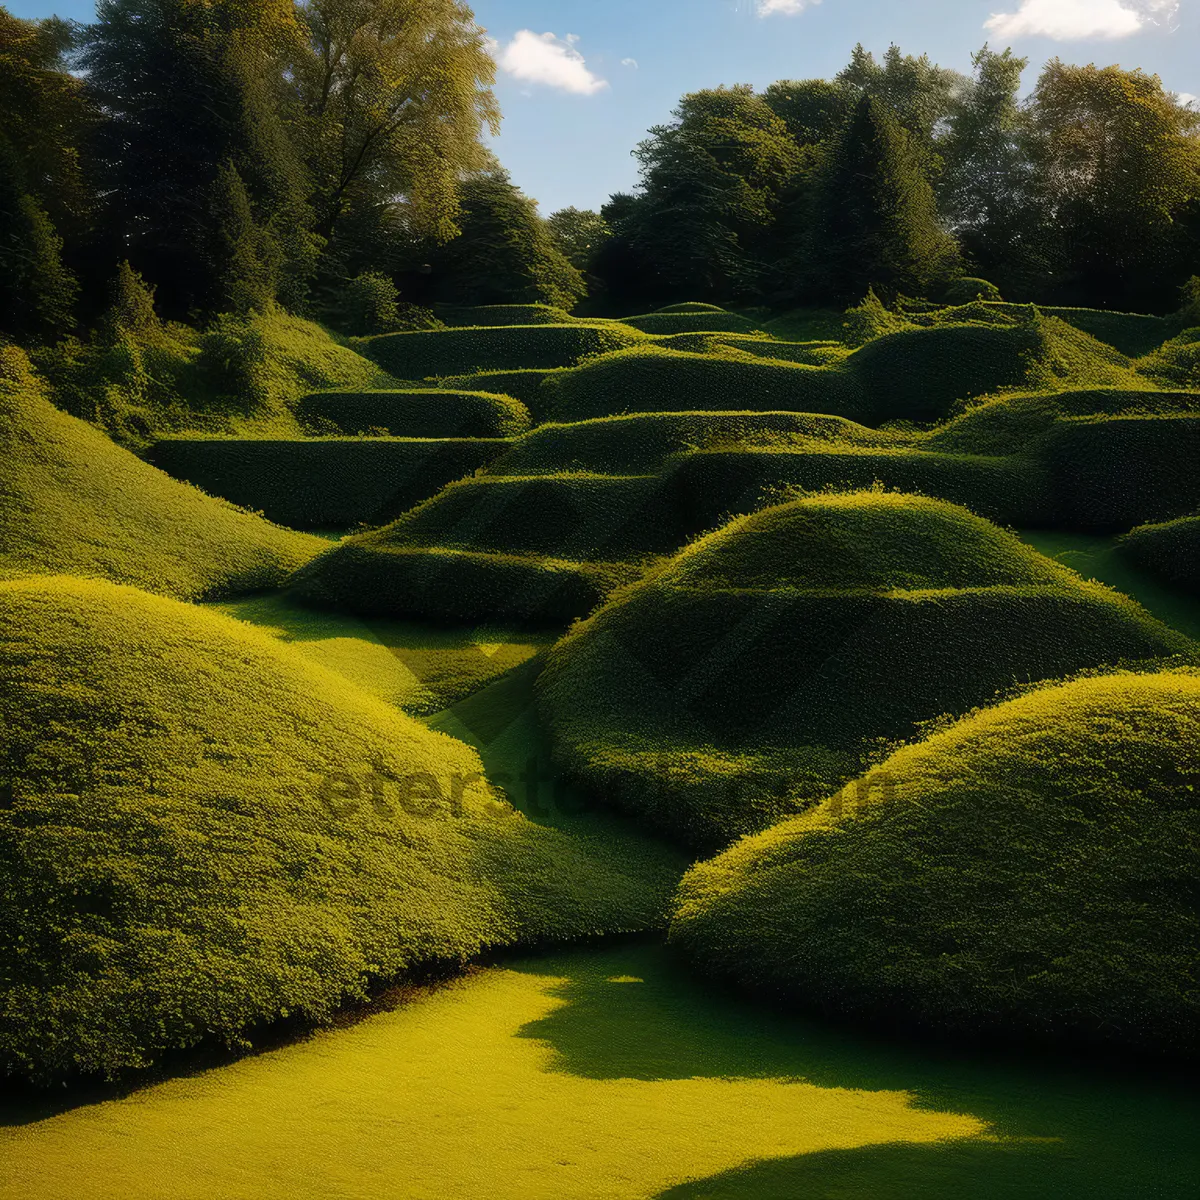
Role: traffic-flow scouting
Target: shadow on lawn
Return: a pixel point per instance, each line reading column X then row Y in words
column 1062, row 1128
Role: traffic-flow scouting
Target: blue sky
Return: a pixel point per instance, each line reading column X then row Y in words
column 582, row 80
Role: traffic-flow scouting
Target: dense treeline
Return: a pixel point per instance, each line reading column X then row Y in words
column 903, row 175
column 217, row 157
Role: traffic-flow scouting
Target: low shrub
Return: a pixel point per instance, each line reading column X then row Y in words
column 969, row 289
column 414, row 413
column 203, row 831
column 329, row 483
column 1028, row 872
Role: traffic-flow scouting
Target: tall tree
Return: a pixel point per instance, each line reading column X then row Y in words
column 393, row 96
column 812, row 109
column 36, row 291
column 44, row 114
column 1119, row 163
column 579, row 234
column 916, row 91
column 186, row 86
column 987, row 190
column 505, row 253
column 711, row 182
column 875, row 221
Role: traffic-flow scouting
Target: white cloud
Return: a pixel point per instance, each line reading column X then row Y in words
column 546, row 59
column 1076, row 20
column 631, row 63
column 784, row 8
column 1187, row 99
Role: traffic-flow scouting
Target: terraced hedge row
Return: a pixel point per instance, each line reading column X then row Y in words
column 748, row 678
column 415, row 413
column 440, row 353
column 331, row 483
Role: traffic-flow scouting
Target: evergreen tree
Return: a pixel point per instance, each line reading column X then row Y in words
column 132, row 305
column 505, row 253
column 187, row 86
column 37, row 292
column 245, row 258
column 875, row 221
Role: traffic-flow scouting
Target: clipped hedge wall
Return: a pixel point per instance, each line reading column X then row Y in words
column 415, row 413
column 702, row 321
column 448, row 352
column 1111, row 473
column 331, row 483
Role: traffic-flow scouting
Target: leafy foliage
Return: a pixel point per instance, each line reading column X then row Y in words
column 1026, row 872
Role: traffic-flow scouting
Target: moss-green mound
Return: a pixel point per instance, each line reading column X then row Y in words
column 916, row 374
column 203, row 831
column 1177, row 363
column 525, row 386
column 1134, row 334
column 1030, row 871
column 754, row 672
column 447, row 352
column 252, row 370
column 458, row 317
column 415, row 413
column 1021, row 421
column 72, row 501
column 1110, row 473
column 1170, row 549
column 327, row 483
column 643, row 442
column 1011, row 489
column 449, row 586
column 707, row 320
column 542, row 549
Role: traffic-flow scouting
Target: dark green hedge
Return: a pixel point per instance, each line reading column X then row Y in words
column 518, row 347
column 1171, row 550
column 1111, row 473
column 495, row 315
column 704, row 321
column 415, row 413
column 447, row 586
column 330, row 483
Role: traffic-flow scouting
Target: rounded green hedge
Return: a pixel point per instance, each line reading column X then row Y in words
column 203, row 831
column 1170, row 549
column 1029, row 872
column 915, row 375
column 641, row 442
column 692, row 321
column 72, row 501
column 495, row 315
column 415, row 413
column 448, row 352
column 327, row 483
column 753, row 672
